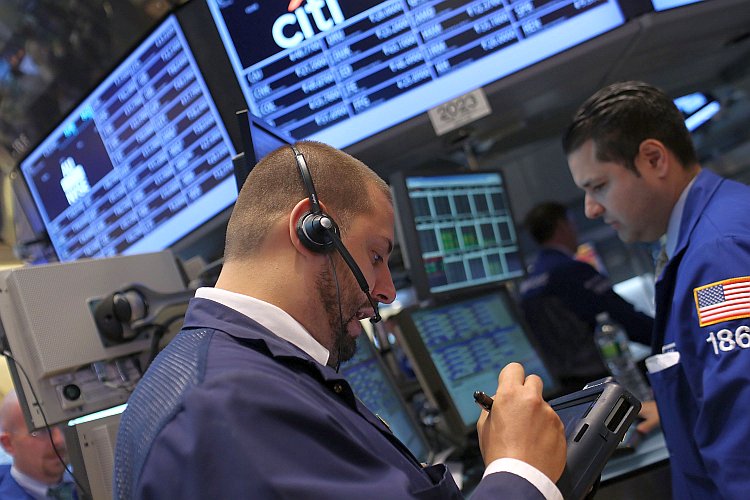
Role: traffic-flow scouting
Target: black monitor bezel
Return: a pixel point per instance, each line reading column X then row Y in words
column 249, row 156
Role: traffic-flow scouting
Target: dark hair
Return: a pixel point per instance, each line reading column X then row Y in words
column 274, row 186
column 542, row 220
column 619, row 117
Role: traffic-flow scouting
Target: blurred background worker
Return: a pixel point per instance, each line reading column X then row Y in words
column 38, row 467
column 562, row 296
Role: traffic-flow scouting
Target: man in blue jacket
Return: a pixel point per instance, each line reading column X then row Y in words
column 36, row 472
column 577, row 292
column 246, row 401
column 629, row 150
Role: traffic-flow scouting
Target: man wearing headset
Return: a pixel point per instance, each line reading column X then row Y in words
column 246, row 402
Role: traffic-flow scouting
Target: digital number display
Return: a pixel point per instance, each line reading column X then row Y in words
column 140, row 163
column 465, row 230
column 339, row 71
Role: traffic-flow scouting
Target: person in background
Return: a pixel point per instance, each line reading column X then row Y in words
column 37, row 472
column 247, row 400
column 628, row 149
column 562, row 296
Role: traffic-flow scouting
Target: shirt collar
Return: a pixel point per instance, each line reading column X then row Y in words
column 271, row 317
column 36, row 489
column 673, row 229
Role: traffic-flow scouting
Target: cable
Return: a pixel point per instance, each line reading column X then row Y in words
column 7, row 354
column 159, row 330
column 341, row 313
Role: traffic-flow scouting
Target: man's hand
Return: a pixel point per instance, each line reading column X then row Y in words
column 650, row 415
column 522, row 425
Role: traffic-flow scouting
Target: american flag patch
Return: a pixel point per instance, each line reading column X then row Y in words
column 723, row 300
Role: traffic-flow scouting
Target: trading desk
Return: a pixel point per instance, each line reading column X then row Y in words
column 642, row 474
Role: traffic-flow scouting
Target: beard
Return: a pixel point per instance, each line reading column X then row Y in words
column 344, row 345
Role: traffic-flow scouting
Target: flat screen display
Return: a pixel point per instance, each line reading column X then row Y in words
column 340, row 71
column 671, row 4
column 141, row 162
column 371, row 383
column 697, row 108
column 461, row 347
column 457, row 230
column 258, row 139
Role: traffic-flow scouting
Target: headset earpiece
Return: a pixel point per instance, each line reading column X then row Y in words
column 314, row 231
column 313, row 228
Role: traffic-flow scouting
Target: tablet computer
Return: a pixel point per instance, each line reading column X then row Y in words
column 596, row 419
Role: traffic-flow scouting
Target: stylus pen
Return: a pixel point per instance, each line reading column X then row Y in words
column 483, row 400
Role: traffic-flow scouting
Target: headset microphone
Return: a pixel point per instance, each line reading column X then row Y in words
column 356, row 271
column 319, row 233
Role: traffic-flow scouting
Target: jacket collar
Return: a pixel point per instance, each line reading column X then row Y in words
column 205, row 313
column 705, row 185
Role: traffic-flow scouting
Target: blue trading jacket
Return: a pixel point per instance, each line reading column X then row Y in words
column 704, row 398
column 559, row 285
column 9, row 488
column 229, row 410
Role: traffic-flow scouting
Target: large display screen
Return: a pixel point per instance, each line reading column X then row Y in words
column 457, row 230
column 339, row 71
column 671, row 4
column 375, row 387
column 258, row 139
column 140, row 163
column 461, row 347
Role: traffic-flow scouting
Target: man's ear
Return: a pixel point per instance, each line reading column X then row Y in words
column 653, row 155
column 300, row 210
column 5, row 443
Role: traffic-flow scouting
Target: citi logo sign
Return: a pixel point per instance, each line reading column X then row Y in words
column 300, row 23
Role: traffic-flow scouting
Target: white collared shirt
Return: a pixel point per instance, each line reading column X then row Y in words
column 34, row 488
column 268, row 315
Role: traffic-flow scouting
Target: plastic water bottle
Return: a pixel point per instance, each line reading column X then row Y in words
column 613, row 342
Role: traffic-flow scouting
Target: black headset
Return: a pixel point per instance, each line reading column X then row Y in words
column 319, row 232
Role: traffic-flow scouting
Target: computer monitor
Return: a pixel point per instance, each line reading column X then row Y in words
column 143, row 160
column 456, row 230
column 660, row 5
column 460, row 347
column 258, row 139
column 340, row 71
column 697, row 108
column 375, row 387
column 61, row 365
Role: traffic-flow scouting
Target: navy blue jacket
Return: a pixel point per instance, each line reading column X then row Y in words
column 229, row 410
column 558, row 285
column 704, row 399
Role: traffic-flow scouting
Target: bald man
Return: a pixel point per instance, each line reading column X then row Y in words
column 36, row 468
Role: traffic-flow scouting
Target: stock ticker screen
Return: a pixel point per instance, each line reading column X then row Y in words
column 339, row 71
column 466, row 235
column 470, row 342
column 142, row 161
